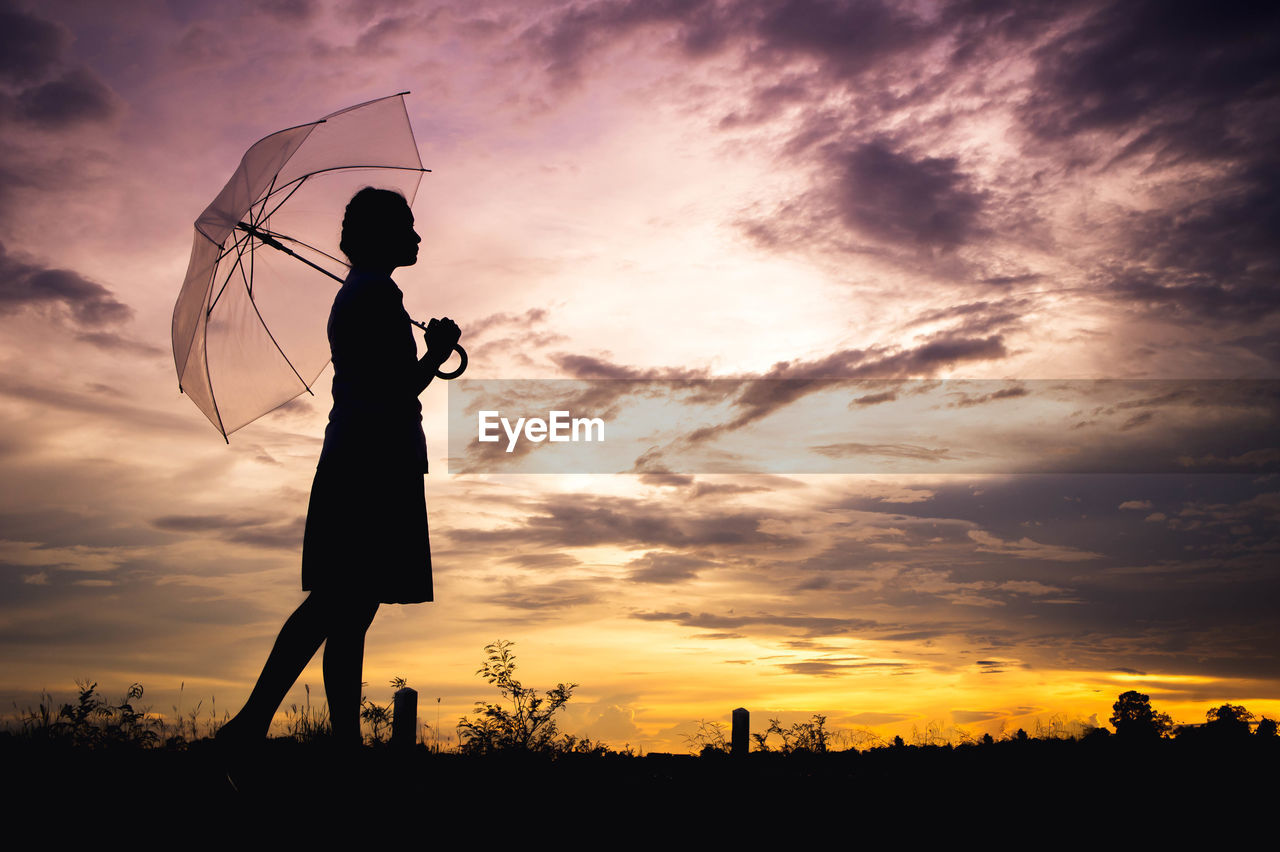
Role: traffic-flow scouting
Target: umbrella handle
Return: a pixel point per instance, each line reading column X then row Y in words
column 462, row 354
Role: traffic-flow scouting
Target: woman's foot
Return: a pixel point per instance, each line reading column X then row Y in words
column 238, row 744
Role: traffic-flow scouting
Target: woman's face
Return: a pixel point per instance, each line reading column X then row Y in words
column 403, row 240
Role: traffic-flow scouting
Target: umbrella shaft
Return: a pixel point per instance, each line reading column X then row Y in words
column 276, row 244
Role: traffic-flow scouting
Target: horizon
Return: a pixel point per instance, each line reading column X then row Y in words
column 779, row 191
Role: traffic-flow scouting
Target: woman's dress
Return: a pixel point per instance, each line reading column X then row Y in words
column 366, row 533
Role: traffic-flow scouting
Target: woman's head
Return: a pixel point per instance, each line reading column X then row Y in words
column 377, row 230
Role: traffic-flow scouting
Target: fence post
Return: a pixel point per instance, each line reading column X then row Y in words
column 404, row 719
column 741, row 740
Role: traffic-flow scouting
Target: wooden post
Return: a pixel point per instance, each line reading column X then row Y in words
column 741, row 739
column 404, row 718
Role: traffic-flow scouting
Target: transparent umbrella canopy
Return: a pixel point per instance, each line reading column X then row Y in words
column 249, row 324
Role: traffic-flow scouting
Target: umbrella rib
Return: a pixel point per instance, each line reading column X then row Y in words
column 233, row 247
column 248, row 285
column 301, row 178
column 296, row 185
column 239, row 249
column 262, row 214
column 249, row 288
column 299, row 242
column 306, row 386
column 208, row 378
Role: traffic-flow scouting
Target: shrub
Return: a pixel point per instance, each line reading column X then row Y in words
column 527, row 725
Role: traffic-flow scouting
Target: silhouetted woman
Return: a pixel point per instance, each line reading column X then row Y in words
column 366, row 537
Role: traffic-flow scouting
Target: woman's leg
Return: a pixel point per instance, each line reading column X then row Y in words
column 299, row 639
column 344, row 666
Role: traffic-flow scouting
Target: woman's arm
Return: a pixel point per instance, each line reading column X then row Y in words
column 440, row 337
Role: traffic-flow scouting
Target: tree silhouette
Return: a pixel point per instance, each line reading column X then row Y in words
column 1134, row 719
column 1229, row 720
column 1266, row 728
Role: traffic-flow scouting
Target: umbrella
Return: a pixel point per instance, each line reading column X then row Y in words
column 249, row 323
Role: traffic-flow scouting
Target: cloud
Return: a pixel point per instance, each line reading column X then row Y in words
column 888, row 195
column 24, row 284
column 519, row 322
column 120, row 343
column 1107, row 90
column 971, row 400
column 977, row 318
column 966, row 717
column 567, row 38
column 893, row 451
column 878, row 718
column 847, row 38
column 269, row 533
column 290, row 11
column 592, row 367
column 562, row 594
column 789, row 381
column 1112, row 71
column 837, row 667
column 589, row 520
column 808, row 625
column 666, row 568
column 78, row 96
column 1025, row 548
column 29, row 46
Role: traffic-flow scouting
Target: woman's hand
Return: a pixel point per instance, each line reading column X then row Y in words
column 441, row 336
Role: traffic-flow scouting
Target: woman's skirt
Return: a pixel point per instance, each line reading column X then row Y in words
column 367, row 536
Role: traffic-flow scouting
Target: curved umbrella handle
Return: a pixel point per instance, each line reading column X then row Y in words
column 462, row 354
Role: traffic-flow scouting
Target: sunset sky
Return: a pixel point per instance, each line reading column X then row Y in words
column 668, row 190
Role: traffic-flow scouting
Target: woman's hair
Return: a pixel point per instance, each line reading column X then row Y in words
column 370, row 214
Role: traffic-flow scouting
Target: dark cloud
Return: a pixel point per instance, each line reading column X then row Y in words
column 967, row 400
column 977, row 318
column 570, row 36
column 1183, row 84
column 29, row 46
column 587, row 520
column 290, row 11
column 694, row 488
column 966, row 717
column 874, row 398
column 547, row 596
column 878, row 718
column 120, row 343
column 788, row 381
column 845, row 39
column 810, row 625
column 377, row 38
column 591, row 367
column 121, row 411
column 759, row 395
column 199, row 523
column 848, row 38
column 1178, row 70
column 889, row 195
column 666, row 568
column 24, row 284
column 837, row 667
column 270, row 533
column 892, row 451
column 519, row 322
column 1160, row 294
column 667, row 480
column 79, row 95
column 543, row 560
